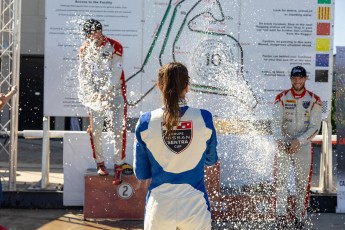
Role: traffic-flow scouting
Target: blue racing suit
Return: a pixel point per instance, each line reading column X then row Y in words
column 177, row 196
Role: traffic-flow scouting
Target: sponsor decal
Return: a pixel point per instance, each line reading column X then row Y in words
column 290, row 106
column 291, row 101
column 180, row 137
column 306, row 104
column 105, row 54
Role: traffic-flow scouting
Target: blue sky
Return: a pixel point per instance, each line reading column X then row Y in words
column 339, row 24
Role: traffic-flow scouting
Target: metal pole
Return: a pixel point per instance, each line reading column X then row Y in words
column 329, row 165
column 45, row 153
column 323, row 158
column 15, row 99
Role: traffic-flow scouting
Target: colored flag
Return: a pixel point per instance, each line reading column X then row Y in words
column 323, row 28
column 324, row 13
column 322, row 60
column 324, row 1
column 321, row 75
column 323, row 44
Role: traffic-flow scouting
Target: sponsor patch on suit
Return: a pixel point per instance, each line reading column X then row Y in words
column 180, row 137
column 105, row 54
column 290, row 104
column 306, row 104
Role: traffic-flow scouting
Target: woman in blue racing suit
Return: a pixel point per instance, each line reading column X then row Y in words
column 172, row 146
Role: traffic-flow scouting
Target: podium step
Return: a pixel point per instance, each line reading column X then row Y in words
column 227, row 207
column 104, row 200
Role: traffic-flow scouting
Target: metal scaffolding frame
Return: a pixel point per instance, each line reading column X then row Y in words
column 10, row 27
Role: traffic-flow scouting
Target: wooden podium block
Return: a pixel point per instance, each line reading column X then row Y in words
column 227, row 207
column 103, row 200
column 248, row 208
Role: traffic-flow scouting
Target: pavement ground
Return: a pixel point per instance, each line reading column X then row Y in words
column 72, row 219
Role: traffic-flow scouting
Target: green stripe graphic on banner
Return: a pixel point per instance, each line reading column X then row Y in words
column 324, row 1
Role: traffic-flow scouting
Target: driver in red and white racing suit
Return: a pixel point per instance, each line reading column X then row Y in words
column 296, row 120
column 103, row 91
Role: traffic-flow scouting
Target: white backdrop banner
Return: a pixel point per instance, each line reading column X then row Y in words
column 239, row 53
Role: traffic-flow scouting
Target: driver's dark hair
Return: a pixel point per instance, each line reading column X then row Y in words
column 91, row 25
column 173, row 78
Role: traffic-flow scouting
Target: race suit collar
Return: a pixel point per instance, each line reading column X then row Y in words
column 295, row 95
column 182, row 102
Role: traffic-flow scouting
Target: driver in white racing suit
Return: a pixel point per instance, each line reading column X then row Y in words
column 103, row 91
column 296, row 120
